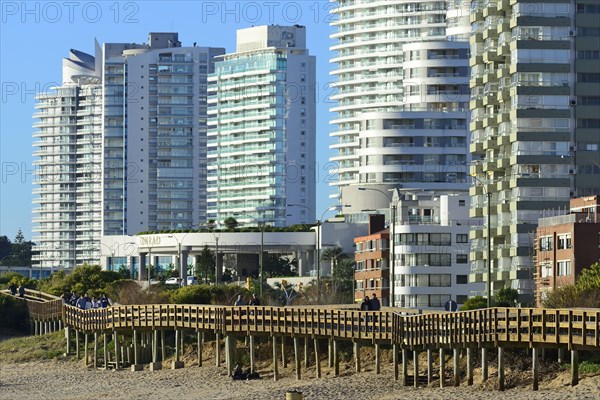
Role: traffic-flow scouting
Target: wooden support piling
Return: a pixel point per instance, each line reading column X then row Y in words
column 535, row 368
column 456, row 359
column 117, row 350
column 95, row 349
column 85, row 348
column 395, row 361
column 177, row 363
column 136, row 347
column 306, row 340
column 317, row 359
column 275, row 369
column 442, row 367
column 574, row 367
column 218, row 349
column 68, row 339
column 163, row 345
column 484, row 364
column 336, row 358
column 470, row 351
column 105, row 348
column 77, row 345
column 404, row 367
column 356, row 347
column 330, row 352
column 501, row 368
column 297, row 357
column 429, row 366
column 283, row 358
column 200, row 344
column 377, row 359
column 415, row 368
column 252, row 353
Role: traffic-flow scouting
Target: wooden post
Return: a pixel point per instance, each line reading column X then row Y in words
column 283, row 359
column 68, row 338
column 77, row 346
column 252, row 351
column 218, row 349
column 105, row 347
column 336, row 359
column 429, row 366
column 377, row 359
column 500, row 368
column 231, row 349
column 357, row 356
column 136, row 348
column 330, row 352
column 85, row 348
column 415, row 368
column 306, row 339
column 155, row 365
column 95, row 349
column 163, row 345
column 36, row 328
column 317, row 359
column 404, row 367
column 561, row 355
column 535, row 368
column 200, row 339
column 456, row 359
column 484, row 364
column 275, row 371
column 297, row 357
column 442, row 367
column 117, row 349
column 177, row 363
column 574, row 367
column 470, row 366
column 395, row 361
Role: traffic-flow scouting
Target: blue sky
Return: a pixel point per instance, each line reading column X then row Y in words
column 36, row 35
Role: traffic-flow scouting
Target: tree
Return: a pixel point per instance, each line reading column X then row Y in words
column 333, row 255
column 585, row 293
column 343, row 280
column 205, row 268
column 5, row 249
column 21, row 251
column 474, row 303
column 276, row 266
column 506, row 297
column 231, row 223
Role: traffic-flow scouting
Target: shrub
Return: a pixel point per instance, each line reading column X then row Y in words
column 474, row 303
column 13, row 313
column 585, row 293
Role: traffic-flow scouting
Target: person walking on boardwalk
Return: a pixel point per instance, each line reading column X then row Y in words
column 254, row 301
column 239, row 301
column 13, row 288
column 366, row 304
column 104, row 302
column 375, row 305
column 22, row 290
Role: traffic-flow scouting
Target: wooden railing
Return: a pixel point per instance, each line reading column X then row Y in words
column 493, row 326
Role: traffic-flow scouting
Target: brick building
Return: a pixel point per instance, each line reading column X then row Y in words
column 566, row 245
column 372, row 262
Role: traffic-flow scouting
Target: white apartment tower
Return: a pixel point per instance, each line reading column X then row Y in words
column 369, row 44
column 261, row 138
column 122, row 146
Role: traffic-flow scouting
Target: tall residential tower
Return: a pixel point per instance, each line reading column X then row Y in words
column 261, row 138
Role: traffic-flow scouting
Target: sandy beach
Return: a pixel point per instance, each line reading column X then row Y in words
column 71, row 380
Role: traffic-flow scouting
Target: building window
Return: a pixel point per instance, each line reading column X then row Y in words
column 564, row 242
column 462, row 279
column 564, row 268
column 546, row 243
column 462, row 203
column 462, row 238
column 462, row 259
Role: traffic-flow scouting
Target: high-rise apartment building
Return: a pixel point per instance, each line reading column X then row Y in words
column 122, row 146
column 535, row 124
column 261, row 138
column 68, row 193
column 370, row 38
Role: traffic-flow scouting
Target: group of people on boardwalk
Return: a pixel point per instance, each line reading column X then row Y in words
column 14, row 290
column 372, row 304
column 254, row 301
column 84, row 302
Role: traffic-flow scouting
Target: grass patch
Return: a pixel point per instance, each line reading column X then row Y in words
column 33, row 348
column 587, row 367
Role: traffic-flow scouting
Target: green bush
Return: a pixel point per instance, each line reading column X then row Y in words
column 585, row 293
column 208, row 294
column 13, row 313
column 90, row 279
column 474, row 303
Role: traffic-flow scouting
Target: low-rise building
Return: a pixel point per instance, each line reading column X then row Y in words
column 372, row 271
column 559, row 261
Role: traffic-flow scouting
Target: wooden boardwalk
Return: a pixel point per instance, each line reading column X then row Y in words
column 494, row 328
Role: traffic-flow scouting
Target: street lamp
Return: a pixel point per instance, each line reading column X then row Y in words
column 392, row 254
column 488, row 195
column 182, row 270
column 318, row 241
column 261, row 226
